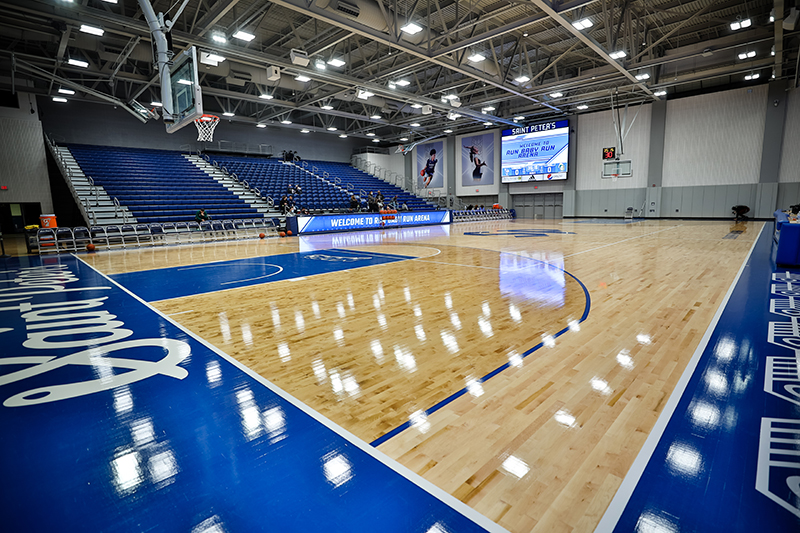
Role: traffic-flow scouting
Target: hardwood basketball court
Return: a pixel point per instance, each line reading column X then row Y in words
column 544, row 444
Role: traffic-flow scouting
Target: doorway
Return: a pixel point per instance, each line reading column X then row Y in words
column 539, row 206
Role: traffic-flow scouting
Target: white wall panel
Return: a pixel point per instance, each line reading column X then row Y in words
column 24, row 164
column 790, row 154
column 595, row 132
column 715, row 139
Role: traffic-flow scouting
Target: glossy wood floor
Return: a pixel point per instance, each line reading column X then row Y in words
column 543, row 445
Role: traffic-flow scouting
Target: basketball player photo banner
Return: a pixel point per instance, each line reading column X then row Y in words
column 430, row 165
column 477, row 162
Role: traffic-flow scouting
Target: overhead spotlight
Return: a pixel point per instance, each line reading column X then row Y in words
column 336, row 62
column 739, row 24
column 364, row 94
column 219, row 38
column 447, row 131
column 488, row 124
column 582, row 107
column 416, row 106
column 619, row 54
column 266, row 96
column 414, row 124
column 320, row 64
column 772, row 15
column 556, row 95
column 63, row 90
column 404, row 138
column 487, row 109
column 93, row 30
column 772, row 52
column 326, row 107
column 392, row 85
column 286, row 121
column 525, row 34
column 754, row 76
column 402, row 83
column 156, row 104
column 522, row 79
column 302, row 78
column 343, row 136
column 476, row 58
column 210, row 58
column 455, row 102
column 662, row 92
column 244, row 36
column 261, row 125
column 77, row 62
column 643, row 76
column 746, row 55
column 449, row 96
column 305, row 131
column 411, row 28
column 59, row 99
column 370, row 134
column 376, row 140
column 375, row 117
column 583, row 24
column 453, row 116
column 520, row 117
column 331, row 128
column 228, row 114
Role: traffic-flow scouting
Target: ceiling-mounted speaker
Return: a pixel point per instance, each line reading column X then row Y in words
column 790, row 22
column 427, row 109
column 299, row 57
column 273, row 73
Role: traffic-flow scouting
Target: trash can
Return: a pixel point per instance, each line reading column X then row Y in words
column 47, row 221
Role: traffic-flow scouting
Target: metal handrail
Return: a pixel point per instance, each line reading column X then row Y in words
column 270, row 201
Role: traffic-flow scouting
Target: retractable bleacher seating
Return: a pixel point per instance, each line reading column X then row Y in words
column 363, row 181
column 158, row 186
column 272, row 177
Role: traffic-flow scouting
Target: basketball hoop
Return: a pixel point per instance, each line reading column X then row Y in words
column 614, row 177
column 205, row 127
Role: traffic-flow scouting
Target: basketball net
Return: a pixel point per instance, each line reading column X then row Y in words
column 205, row 127
column 614, row 177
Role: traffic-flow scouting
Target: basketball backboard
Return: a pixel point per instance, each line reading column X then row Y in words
column 187, row 98
column 621, row 169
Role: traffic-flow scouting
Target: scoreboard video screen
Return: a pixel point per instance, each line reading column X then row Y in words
column 538, row 152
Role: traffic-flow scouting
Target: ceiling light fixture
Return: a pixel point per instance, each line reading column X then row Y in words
column 244, row 36
column 376, row 140
column 402, row 83
column 266, row 96
column 364, row 94
column 62, row 90
column 411, row 28
column 376, row 117
column 476, row 58
column 522, row 79
column 320, row 64
column 582, row 107
column 228, row 114
column 392, row 85
column 738, row 24
column 305, row 131
column 752, row 76
column 336, row 62
column 219, row 38
column 619, row 54
column 487, row 109
column 519, row 118
column 326, row 107
column 59, row 99
column 261, row 125
column 403, row 138
column 583, row 24
column 488, row 124
column 370, row 134
column 302, row 78
column 343, row 136
column 447, row 131
column 156, row 104
column 643, row 76
column 414, row 124
column 416, row 106
column 750, row 54
column 93, row 30
column 662, row 92
column 78, row 63
column 331, row 128
column 556, row 95
column 286, row 121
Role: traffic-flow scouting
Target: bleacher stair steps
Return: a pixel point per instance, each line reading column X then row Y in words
column 236, row 187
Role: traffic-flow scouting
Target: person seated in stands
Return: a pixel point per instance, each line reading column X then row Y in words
column 201, row 216
column 379, row 197
column 304, row 211
column 298, row 189
column 355, row 204
column 290, row 207
column 404, row 207
column 469, row 207
column 290, row 189
column 372, row 203
column 282, row 205
column 392, row 203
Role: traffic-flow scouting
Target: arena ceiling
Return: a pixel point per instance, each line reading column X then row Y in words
column 536, row 64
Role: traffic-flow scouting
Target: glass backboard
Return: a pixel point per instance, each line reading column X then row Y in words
column 187, row 98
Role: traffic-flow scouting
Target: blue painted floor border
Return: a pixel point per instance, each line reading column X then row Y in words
column 725, row 453
column 116, row 419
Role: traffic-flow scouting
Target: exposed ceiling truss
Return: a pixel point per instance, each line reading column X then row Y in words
column 501, row 59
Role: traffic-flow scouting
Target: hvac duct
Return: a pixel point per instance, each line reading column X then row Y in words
column 367, row 13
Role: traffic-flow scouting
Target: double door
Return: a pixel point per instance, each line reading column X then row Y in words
column 539, row 206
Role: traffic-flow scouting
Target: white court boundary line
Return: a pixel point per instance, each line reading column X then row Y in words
column 387, row 461
column 623, row 240
column 625, row 491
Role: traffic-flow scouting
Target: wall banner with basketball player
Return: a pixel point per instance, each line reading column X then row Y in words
column 430, row 165
column 477, row 164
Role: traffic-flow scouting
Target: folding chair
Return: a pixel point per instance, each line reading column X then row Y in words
column 65, row 240
column 157, row 231
column 144, row 234
column 114, row 237
column 99, row 235
column 46, row 241
column 82, row 237
column 129, row 235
